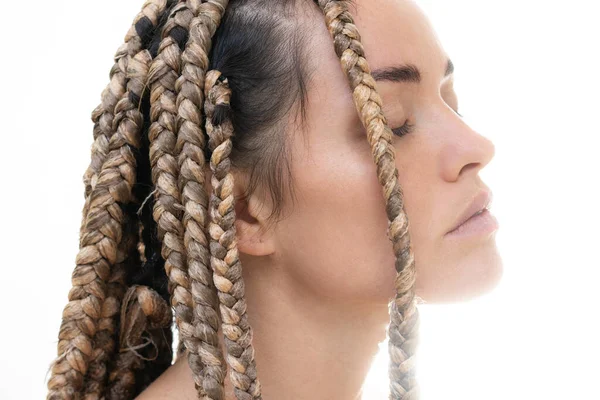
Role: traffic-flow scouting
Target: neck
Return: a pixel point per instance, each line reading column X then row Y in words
column 306, row 346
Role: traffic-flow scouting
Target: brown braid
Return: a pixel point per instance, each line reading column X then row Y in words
column 98, row 279
column 223, row 244
column 109, row 236
column 168, row 208
column 103, row 133
column 404, row 324
column 102, row 116
column 121, row 378
column 115, row 184
column 190, row 150
column 136, row 366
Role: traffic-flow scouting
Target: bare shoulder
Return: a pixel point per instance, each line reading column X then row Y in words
column 175, row 383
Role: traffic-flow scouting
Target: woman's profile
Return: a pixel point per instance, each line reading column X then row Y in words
column 283, row 181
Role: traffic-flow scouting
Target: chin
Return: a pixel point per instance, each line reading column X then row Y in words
column 472, row 277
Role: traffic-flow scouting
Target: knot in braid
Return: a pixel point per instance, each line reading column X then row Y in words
column 143, row 313
column 224, row 254
column 218, row 111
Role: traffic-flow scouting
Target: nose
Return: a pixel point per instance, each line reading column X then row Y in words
column 463, row 151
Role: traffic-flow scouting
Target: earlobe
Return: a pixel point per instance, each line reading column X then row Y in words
column 251, row 241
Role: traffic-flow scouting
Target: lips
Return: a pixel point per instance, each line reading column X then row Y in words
column 481, row 201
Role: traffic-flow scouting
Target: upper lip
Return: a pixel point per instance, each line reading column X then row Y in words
column 482, row 200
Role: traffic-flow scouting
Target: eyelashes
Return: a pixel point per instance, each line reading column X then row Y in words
column 404, row 129
column 409, row 128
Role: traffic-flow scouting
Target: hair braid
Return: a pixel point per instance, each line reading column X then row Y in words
column 122, row 380
column 136, row 364
column 109, row 259
column 136, row 38
column 404, row 316
column 168, row 208
column 223, row 243
column 89, row 310
column 209, row 371
column 115, row 184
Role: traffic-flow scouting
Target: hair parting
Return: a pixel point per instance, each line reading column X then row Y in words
column 155, row 244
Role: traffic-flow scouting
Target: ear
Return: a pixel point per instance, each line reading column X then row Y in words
column 254, row 237
column 250, row 224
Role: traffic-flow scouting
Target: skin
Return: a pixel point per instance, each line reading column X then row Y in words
column 319, row 281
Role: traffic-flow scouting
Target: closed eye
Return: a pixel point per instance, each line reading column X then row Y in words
column 409, row 128
column 404, row 129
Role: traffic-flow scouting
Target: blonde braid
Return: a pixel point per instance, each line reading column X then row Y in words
column 223, row 242
column 114, row 185
column 404, row 316
column 210, row 369
column 108, row 241
column 130, row 121
column 104, row 123
column 89, row 315
column 103, row 114
column 128, row 374
column 168, row 208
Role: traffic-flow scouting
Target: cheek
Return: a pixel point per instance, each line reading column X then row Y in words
column 446, row 271
column 334, row 242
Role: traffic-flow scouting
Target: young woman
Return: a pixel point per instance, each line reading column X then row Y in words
column 236, row 179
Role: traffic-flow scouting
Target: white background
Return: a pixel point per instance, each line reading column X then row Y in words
column 526, row 77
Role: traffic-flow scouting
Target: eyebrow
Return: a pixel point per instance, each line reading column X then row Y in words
column 405, row 73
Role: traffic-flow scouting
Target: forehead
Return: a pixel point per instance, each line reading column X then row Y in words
column 398, row 31
column 392, row 32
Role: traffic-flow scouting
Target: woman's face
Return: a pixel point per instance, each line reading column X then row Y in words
column 333, row 241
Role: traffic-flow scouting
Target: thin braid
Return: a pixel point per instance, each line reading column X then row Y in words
column 88, row 311
column 210, row 369
column 136, row 38
column 227, row 268
column 168, row 208
column 404, row 316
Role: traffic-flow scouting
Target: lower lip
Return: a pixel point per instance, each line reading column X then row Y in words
column 482, row 224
